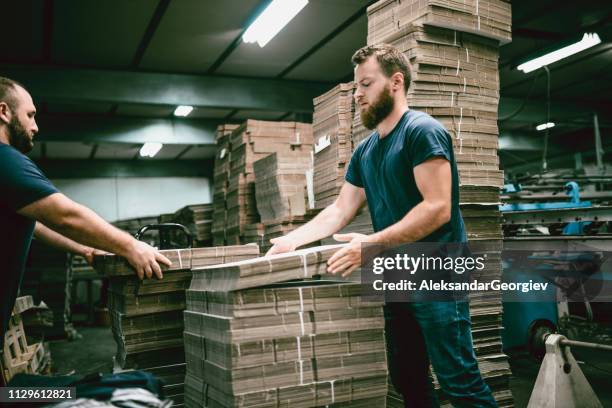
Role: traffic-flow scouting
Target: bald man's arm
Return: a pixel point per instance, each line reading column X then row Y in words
column 83, row 226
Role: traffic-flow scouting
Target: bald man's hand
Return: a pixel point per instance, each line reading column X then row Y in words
column 145, row 260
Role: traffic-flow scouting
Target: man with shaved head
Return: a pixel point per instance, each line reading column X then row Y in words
column 30, row 205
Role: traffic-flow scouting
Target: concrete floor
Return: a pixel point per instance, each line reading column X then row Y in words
column 94, row 352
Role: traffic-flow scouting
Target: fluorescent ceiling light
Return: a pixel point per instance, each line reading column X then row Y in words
column 150, row 149
column 545, row 126
column 588, row 40
column 272, row 20
column 183, row 110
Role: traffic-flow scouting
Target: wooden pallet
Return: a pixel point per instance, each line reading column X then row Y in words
column 17, row 355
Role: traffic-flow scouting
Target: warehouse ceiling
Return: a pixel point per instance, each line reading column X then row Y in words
column 107, row 75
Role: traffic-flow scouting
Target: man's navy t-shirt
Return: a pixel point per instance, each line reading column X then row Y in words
column 21, row 183
column 384, row 167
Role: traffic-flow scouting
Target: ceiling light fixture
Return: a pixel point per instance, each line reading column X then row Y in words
column 150, row 149
column 545, row 126
column 183, row 110
column 588, row 40
column 272, row 20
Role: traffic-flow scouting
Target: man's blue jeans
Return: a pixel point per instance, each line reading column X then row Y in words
column 438, row 332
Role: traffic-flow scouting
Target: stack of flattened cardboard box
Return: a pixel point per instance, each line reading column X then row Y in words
column 280, row 185
column 48, row 278
column 453, row 47
column 253, row 341
column 132, row 225
column 338, row 130
column 332, row 123
column 221, row 183
column 147, row 316
column 252, row 141
column 198, row 219
column 487, row 18
column 283, row 227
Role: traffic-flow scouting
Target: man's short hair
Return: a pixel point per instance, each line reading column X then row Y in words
column 391, row 60
column 7, row 91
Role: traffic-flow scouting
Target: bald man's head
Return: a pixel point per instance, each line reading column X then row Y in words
column 17, row 111
column 8, row 92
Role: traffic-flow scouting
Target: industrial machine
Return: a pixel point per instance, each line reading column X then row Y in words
column 566, row 244
column 556, row 242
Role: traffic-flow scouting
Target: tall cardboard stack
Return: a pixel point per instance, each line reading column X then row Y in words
column 252, row 141
column 300, row 344
column 221, row 182
column 198, row 219
column 48, row 278
column 487, row 18
column 147, row 316
column 280, row 185
column 284, row 226
column 332, row 122
column 338, row 130
column 454, row 51
column 255, row 233
column 132, row 225
column 261, row 233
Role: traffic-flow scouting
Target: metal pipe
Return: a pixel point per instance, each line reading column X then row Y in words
column 584, row 344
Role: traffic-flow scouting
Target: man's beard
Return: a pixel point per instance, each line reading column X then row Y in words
column 18, row 136
column 378, row 110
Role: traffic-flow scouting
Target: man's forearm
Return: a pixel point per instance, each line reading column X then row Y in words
column 326, row 223
column 52, row 238
column 83, row 225
column 421, row 221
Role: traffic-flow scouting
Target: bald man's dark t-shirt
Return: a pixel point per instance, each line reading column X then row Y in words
column 21, row 183
column 384, row 168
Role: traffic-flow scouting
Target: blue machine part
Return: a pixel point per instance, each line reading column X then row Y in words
column 571, row 189
column 521, row 313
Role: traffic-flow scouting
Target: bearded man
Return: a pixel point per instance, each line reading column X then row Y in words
column 31, row 205
column 406, row 168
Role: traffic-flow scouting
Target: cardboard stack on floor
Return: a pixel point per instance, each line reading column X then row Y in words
column 280, row 185
column 486, row 18
column 17, row 355
column 252, row 141
column 454, row 51
column 220, row 183
column 333, row 127
column 332, row 122
column 132, row 225
column 253, row 341
column 48, row 278
column 362, row 223
column 147, row 316
column 286, row 225
column 261, row 233
column 198, row 219
column 281, row 194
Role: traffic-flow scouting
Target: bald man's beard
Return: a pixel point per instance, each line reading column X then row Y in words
column 18, row 136
column 378, row 110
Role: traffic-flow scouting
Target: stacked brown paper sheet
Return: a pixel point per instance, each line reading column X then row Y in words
column 253, row 339
column 332, row 123
column 147, row 316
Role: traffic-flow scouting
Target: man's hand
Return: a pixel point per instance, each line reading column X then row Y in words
column 90, row 253
column 347, row 259
column 281, row 245
column 144, row 258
